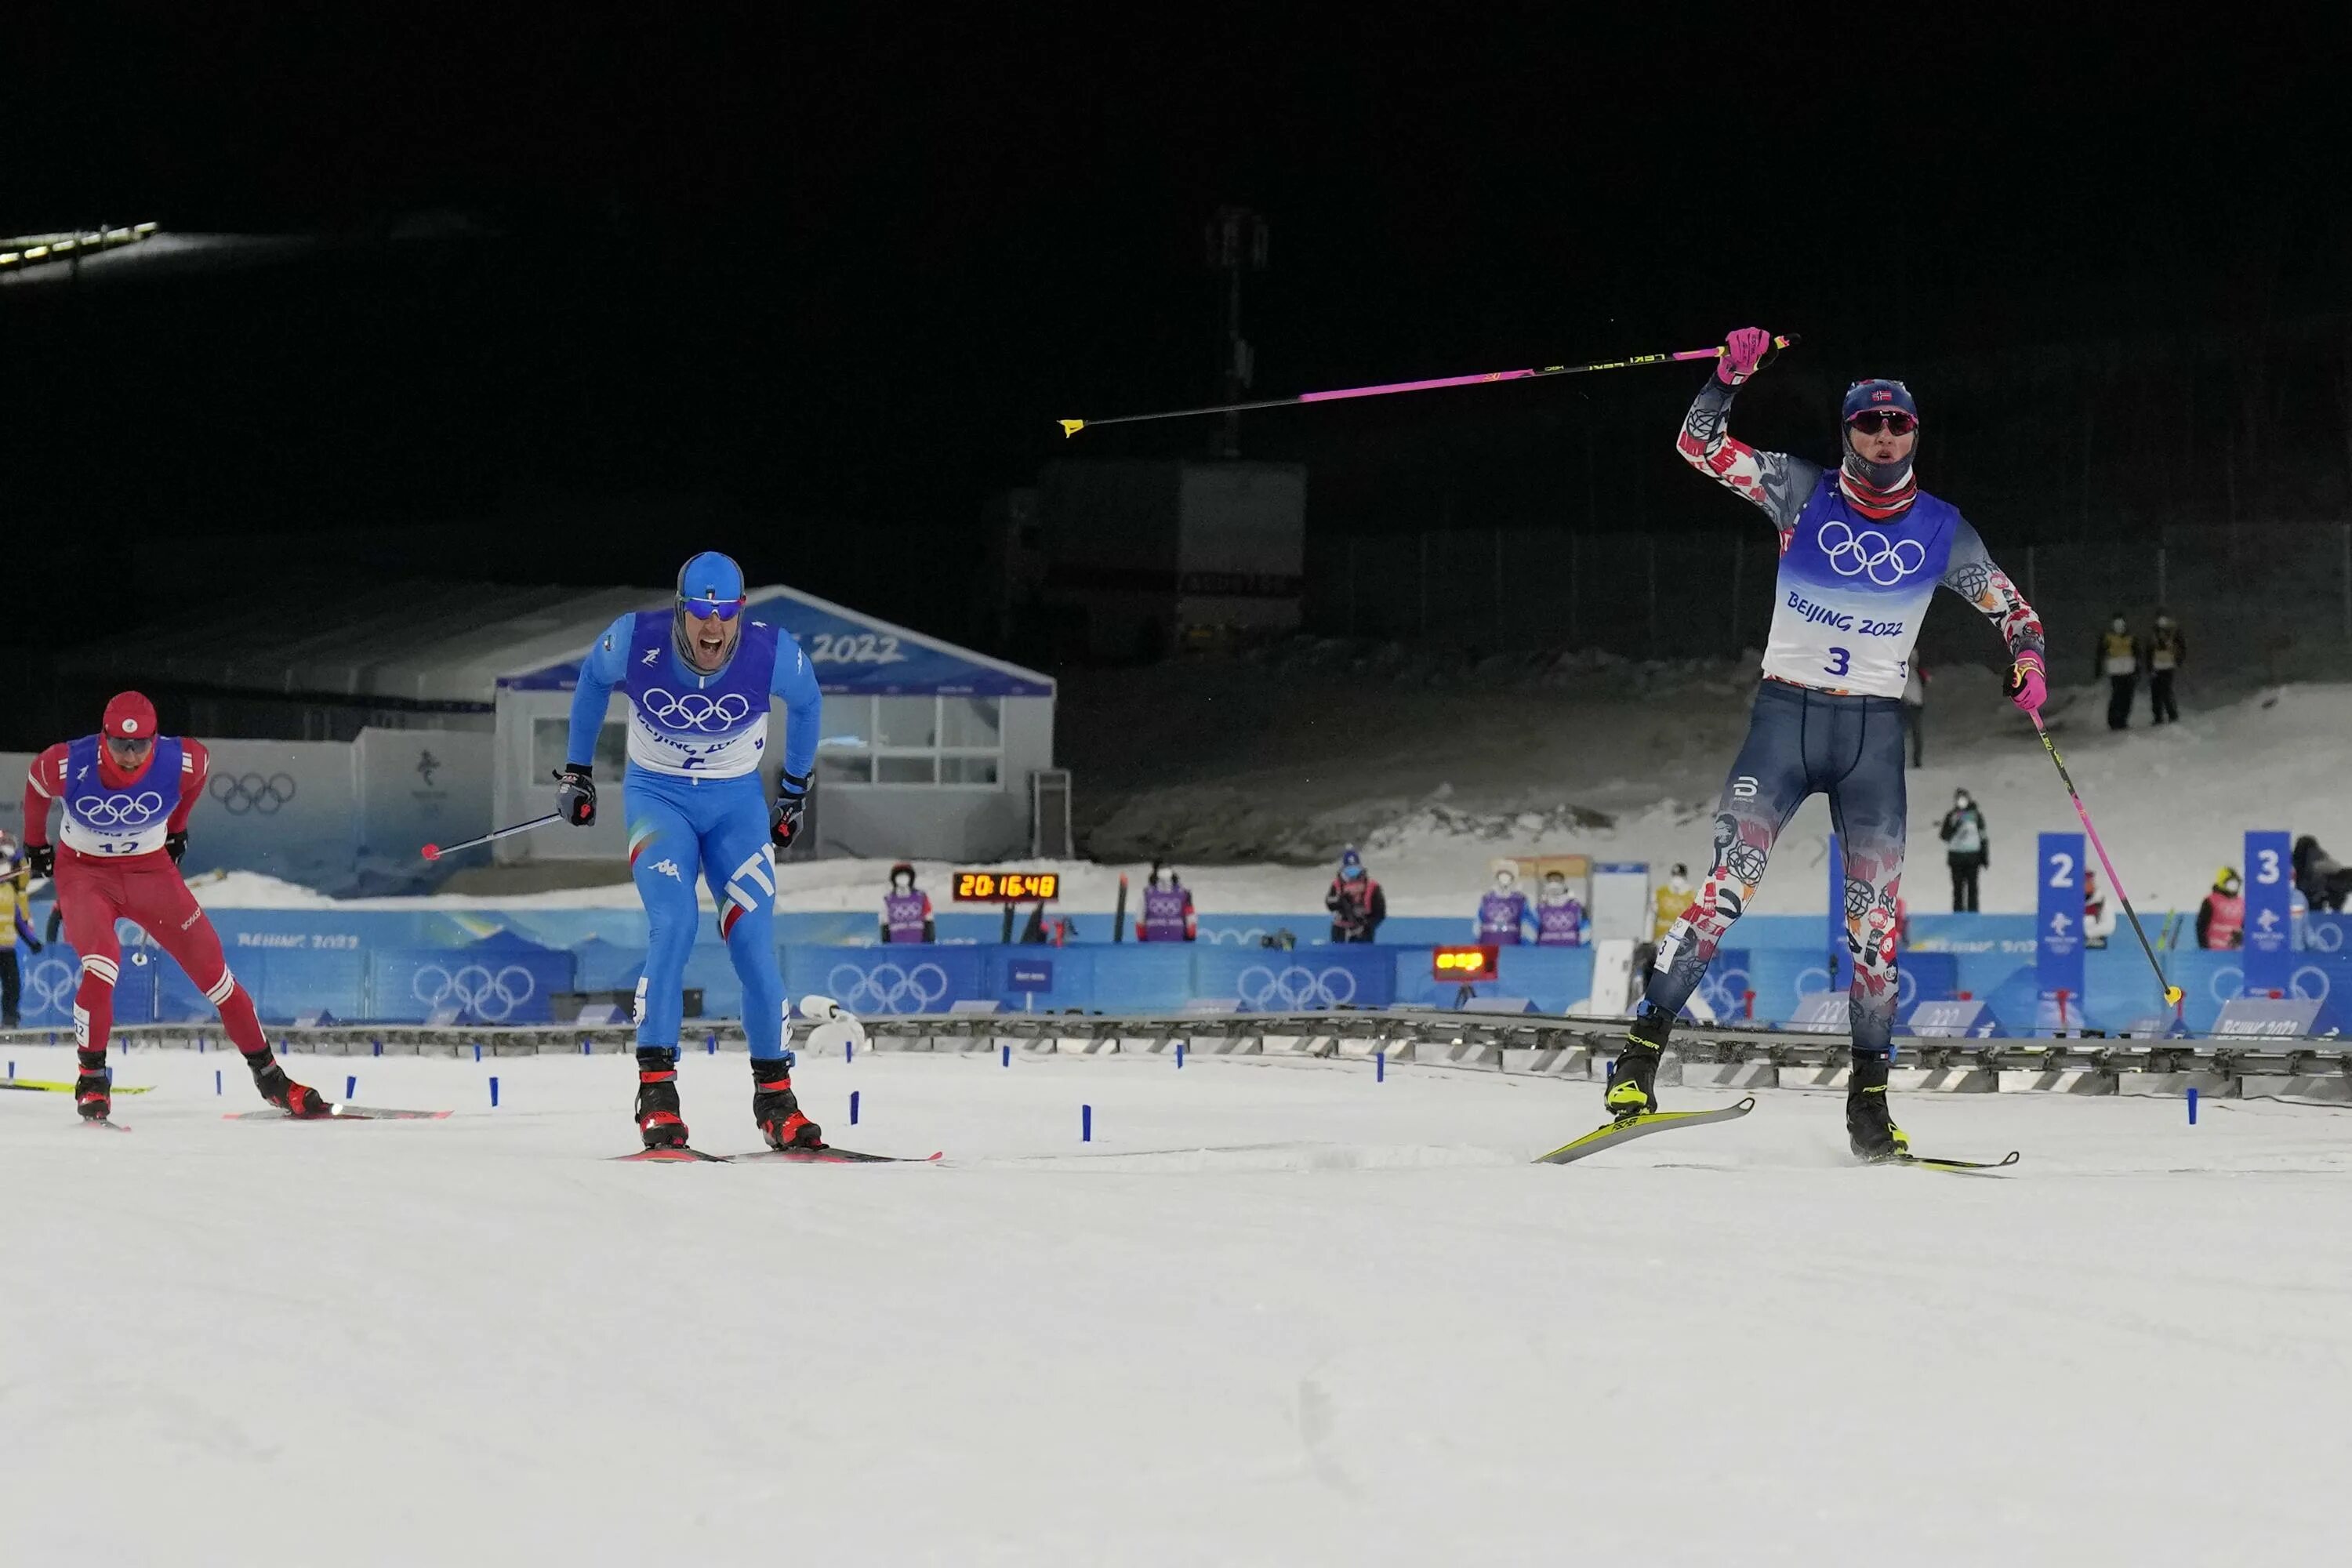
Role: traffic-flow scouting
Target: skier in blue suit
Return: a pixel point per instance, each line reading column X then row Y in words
column 698, row 681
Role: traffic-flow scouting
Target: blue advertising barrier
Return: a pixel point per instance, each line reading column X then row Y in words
column 495, row 983
column 1266, row 980
column 1554, row 978
column 881, row 982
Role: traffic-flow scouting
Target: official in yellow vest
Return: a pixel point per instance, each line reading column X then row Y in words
column 16, row 879
column 2119, row 660
column 1670, row 901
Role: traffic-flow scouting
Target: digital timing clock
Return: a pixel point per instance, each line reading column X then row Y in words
column 1007, row 886
column 1464, row 965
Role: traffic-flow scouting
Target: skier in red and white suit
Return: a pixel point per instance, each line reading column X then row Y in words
column 126, row 794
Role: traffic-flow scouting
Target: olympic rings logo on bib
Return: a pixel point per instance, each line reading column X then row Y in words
column 1851, row 554
column 695, row 710
column 118, row 810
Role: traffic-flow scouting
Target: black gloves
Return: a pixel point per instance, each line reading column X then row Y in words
column 575, row 795
column 175, row 845
column 41, row 859
column 791, row 804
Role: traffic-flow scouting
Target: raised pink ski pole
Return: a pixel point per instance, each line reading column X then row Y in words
column 2172, row 993
column 1072, row 427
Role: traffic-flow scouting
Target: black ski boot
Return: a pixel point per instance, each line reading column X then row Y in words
column 778, row 1110
column 1634, row 1076
column 294, row 1099
column 658, row 1123
column 1868, row 1125
column 94, row 1089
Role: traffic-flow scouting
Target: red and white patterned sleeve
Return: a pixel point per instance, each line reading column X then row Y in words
column 1971, row 573
column 1774, row 482
column 195, row 766
column 45, row 780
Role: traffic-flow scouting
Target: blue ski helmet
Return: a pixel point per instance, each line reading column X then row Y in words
column 710, row 580
column 709, row 585
column 1877, row 394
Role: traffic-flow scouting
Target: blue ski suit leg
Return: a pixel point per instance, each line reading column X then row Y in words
column 1800, row 743
column 680, row 828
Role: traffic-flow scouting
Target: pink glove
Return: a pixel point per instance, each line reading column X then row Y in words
column 2026, row 687
column 1743, row 351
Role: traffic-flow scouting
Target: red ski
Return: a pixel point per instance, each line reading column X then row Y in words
column 341, row 1113
column 826, row 1155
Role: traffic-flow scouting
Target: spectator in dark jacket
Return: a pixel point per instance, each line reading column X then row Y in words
column 2323, row 880
column 1357, row 904
column 2168, row 651
column 1968, row 849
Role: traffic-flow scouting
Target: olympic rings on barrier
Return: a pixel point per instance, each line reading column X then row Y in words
column 51, row 983
column 694, row 710
column 491, row 998
column 117, row 810
column 1296, row 987
column 2323, row 936
column 1729, row 1000
column 239, row 793
column 2230, row 984
column 887, row 988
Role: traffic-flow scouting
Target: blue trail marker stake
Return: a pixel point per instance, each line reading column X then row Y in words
column 216, row 1088
column 584, row 1045
column 1380, row 1067
column 351, row 1087
column 200, row 1045
column 2192, row 1105
column 494, row 1091
column 1180, row 1055
column 710, row 1044
column 478, row 1052
column 1006, row 1060
column 1085, row 1123
column 853, row 1108
column 849, row 1050
column 379, row 1048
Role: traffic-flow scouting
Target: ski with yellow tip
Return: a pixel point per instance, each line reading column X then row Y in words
column 1625, row 1129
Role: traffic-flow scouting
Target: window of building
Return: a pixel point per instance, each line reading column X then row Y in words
column 938, row 741
column 551, row 738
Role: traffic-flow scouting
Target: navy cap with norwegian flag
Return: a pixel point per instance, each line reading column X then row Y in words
column 1864, row 395
column 129, row 717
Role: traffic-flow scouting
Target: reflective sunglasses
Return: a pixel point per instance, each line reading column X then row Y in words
column 1871, row 421
column 703, row 609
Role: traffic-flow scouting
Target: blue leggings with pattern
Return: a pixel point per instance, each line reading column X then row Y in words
column 1803, row 743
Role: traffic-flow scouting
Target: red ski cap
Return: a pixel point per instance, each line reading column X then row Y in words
column 129, row 717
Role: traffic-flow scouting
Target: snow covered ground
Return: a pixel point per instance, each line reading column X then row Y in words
column 1622, row 779
column 1275, row 1313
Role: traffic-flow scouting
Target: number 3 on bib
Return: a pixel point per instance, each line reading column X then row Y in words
column 1840, row 661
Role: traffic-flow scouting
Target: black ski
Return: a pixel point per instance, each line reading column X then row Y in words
column 1931, row 1163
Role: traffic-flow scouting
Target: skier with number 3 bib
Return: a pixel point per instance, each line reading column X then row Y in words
column 698, row 680
column 1863, row 550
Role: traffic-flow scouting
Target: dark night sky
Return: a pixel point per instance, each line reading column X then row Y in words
column 821, row 285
